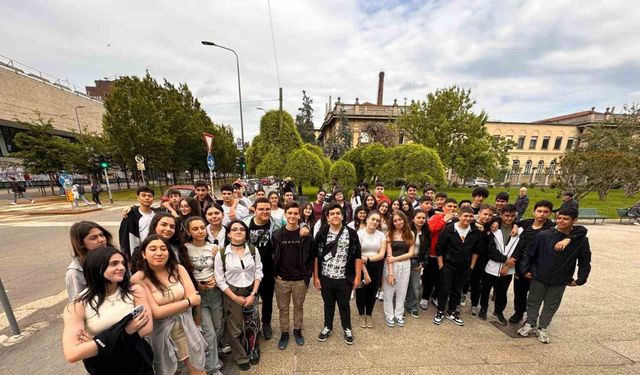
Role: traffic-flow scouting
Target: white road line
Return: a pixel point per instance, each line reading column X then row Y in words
column 44, row 224
column 32, row 307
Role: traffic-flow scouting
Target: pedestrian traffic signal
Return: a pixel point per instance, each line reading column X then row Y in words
column 242, row 163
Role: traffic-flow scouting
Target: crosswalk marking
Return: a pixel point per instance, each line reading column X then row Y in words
column 45, row 224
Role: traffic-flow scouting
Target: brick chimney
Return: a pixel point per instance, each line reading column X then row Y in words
column 380, row 88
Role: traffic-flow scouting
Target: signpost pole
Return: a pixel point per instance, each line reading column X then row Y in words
column 106, row 177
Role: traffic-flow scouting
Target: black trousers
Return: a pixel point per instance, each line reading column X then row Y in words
column 366, row 296
column 520, row 290
column 95, row 196
column 451, row 282
column 431, row 279
column 336, row 291
column 475, row 283
column 267, row 287
column 500, row 285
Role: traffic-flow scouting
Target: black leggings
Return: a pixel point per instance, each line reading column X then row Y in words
column 336, row 291
column 95, row 196
column 431, row 279
column 366, row 296
column 267, row 287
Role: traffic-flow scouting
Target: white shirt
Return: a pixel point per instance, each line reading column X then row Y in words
column 202, row 260
column 220, row 237
column 241, row 213
column 278, row 215
column 462, row 232
column 237, row 275
column 370, row 243
column 144, row 223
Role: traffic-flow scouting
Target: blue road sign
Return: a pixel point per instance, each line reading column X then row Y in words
column 66, row 180
column 211, row 162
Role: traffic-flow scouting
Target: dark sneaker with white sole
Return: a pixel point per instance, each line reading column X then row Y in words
column 437, row 319
column 324, row 334
column 455, row 318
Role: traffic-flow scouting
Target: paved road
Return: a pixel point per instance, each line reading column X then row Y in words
column 596, row 331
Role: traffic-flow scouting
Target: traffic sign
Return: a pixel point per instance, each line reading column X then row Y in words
column 211, row 162
column 140, row 166
column 66, row 180
column 139, row 158
column 208, row 139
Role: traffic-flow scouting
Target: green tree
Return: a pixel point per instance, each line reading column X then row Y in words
column 354, row 156
column 413, row 163
column 326, row 163
column 380, row 132
column 272, row 164
column 373, row 157
column 304, row 167
column 341, row 138
column 446, row 122
column 275, row 141
column 304, row 120
column 344, row 173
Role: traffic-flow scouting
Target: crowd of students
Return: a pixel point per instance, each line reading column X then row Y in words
column 183, row 286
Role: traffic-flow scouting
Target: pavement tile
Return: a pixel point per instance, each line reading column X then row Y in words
column 629, row 349
column 595, row 328
column 505, row 353
column 574, row 354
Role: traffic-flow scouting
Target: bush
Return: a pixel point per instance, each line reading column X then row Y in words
column 344, row 172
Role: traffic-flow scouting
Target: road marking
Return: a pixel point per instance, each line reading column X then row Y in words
column 12, row 340
column 32, row 307
column 45, row 224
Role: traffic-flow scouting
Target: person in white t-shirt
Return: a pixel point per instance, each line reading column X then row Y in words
column 231, row 211
column 373, row 245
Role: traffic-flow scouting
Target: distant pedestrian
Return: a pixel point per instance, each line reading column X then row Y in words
column 78, row 193
column 18, row 191
column 96, row 189
column 522, row 203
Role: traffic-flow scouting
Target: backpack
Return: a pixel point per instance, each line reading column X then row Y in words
column 223, row 257
column 80, row 189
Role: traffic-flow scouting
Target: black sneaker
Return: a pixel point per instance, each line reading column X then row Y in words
column 500, row 318
column 455, row 318
column 324, row 334
column 297, row 334
column 348, row 336
column 284, row 341
column 437, row 319
column 515, row 318
column 267, row 332
column 482, row 314
column 244, row 366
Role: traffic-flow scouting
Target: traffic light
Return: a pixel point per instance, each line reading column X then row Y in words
column 106, row 162
column 242, row 163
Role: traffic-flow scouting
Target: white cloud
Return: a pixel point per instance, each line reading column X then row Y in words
column 523, row 60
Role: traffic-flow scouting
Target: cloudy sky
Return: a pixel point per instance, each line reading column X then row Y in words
column 523, row 60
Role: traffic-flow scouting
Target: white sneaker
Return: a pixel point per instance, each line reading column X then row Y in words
column 33, row 202
column 353, row 294
column 13, row 203
column 463, row 300
column 526, row 330
column 543, row 336
column 424, row 304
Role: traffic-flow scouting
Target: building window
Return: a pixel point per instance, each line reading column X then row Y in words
column 516, row 166
column 520, row 145
column 401, row 139
column 558, row 143
column 545, row 143
column 509, row 137
column 569, row 143
column 496, row 138
column 527, row 167
column 541, row 166
column 552, row 166
column 533, row 142
column 364, row 137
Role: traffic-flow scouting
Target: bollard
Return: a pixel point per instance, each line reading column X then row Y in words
column 6, row 306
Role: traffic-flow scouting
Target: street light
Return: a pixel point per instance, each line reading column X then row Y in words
column 206, row 43
column 78, row 118
column 262, row 109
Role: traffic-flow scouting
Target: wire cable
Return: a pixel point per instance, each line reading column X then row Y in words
column 273, row 41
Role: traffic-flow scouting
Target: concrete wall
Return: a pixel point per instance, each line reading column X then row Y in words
column 22, row 96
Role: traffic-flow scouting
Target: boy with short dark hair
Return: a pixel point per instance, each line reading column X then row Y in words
column 411, row 196
column 378, row 194
column 201, row 193
column 502, row 198
column 478, row 194
column 134, row 227
column 232, row 210
column 440, row 199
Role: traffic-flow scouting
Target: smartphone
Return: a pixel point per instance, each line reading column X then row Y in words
column 137, row 311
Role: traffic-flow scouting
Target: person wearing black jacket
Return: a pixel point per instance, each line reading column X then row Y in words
column 292, row 268
column 337, row 270
column 134, row 227
column 479, row 261
column 551, row 271
column 422, row 234
column 455, row 246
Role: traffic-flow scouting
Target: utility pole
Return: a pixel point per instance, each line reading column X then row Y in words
column 280, row 112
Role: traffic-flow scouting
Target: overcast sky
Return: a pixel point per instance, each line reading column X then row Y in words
column 523, row 60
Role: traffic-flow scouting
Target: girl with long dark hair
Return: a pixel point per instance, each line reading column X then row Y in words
column 400, row 248
column 347, row 211
column 277, row 207
column 370, row 203
column 108, row 299
column 187, row 208
column 385, row 215
column 216, row 232
column 420, row 258
column 359, row 219
column 373, row 244
column 307, row 216
column 171, row 296
column 85, row 236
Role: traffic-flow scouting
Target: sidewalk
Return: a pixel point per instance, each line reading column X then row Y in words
column 50, row 206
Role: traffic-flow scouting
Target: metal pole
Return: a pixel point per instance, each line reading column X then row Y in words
column 106, row 177
column 280, row 99
column 78, row 119
column 6, row 306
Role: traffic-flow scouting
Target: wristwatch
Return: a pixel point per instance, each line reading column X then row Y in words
column 253, row 294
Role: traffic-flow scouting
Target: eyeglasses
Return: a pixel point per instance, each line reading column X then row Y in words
column 237, row 229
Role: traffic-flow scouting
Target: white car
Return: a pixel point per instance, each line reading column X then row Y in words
column 478, row 182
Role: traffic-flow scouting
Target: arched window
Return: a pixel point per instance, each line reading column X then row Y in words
column 541, row 166
column 552, row 166
column 516, row 166
column 527, row 167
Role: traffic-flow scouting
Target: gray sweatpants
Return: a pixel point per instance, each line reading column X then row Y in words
column 550, row 295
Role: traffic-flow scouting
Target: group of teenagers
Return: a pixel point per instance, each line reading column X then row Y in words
column 177, row 291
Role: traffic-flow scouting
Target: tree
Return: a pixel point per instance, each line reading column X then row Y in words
column 379, row 132
column 586, row 171
column 354, row 156
column 446, row 122
column 304, row 167
column 413, row 163
column 304, row 120
column 341, row 138
column 326, row 163
column 273, row 141
column 344, row 173
column 373, row 157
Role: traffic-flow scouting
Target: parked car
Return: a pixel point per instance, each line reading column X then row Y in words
column 265, row 181
column 479, row 182
column 185, row 190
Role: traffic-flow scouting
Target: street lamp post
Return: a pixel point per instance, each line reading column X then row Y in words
column 206, row 43
column 78, row 118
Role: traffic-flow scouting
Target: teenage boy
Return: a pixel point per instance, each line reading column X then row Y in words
column 478, row 261
column 503, row 251
column 378, row 193
column 318, row 204
column 440, row 199
column 260, row 193
column 292, row 267
column 261, row 228
column 502, row 198
column 522, row 203
column 430, row 192
column 288, row 197
column 201, row 193
column 232, row 210
column 238, row 194
column 465, row 203
column 568, row 201
column 430, row 277
column 412, row 192
column 551, row 271
column 426, row 204
column 134, row 227
column 171, row 202
column 478, row 195
column 337, row 270
column 456, row 244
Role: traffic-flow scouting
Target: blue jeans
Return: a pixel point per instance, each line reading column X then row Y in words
column 212, row 324
column 413, row 292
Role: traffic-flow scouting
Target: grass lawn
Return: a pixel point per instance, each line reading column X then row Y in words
column 615, row 198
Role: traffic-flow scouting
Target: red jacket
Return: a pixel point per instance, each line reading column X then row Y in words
column 383, row 198
column 436, row 225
